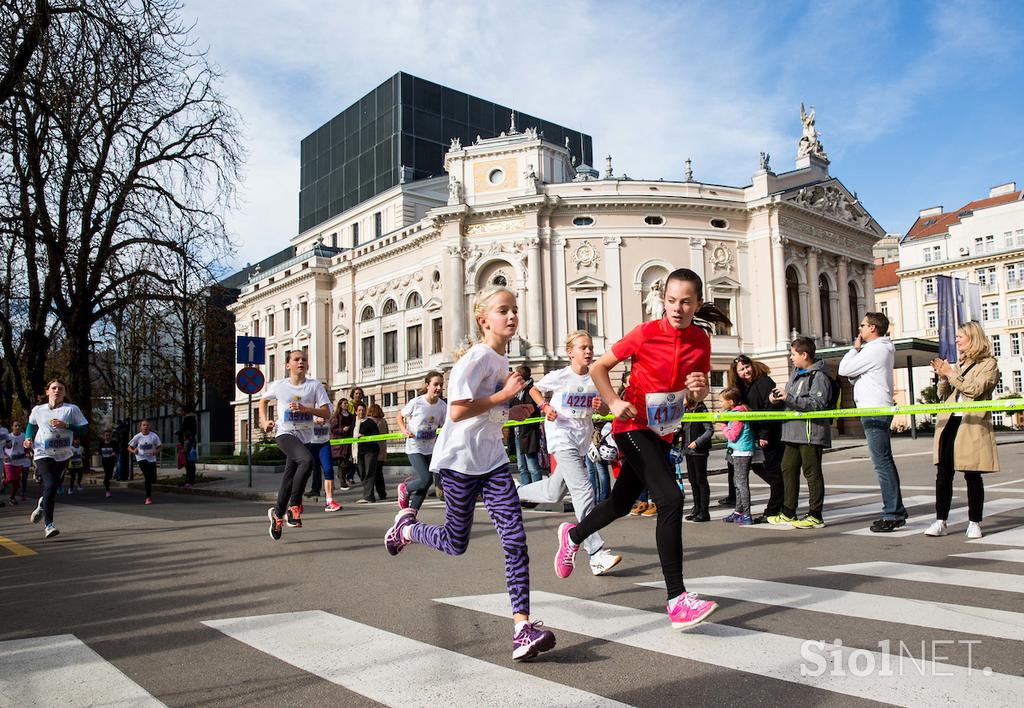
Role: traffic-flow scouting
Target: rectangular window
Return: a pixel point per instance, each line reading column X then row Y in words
column 990, row 243
column 932, row 321
column 410, row 393
column 989, row 311
column 932, row 253
column 391, row 347
column 725, row 305
column 389, row 399
column 436, row 336
column 305, row 353
column 342, row 356
column 586, row 315
column 413, row 342
column 334, row 239
column 378, row 225
column 979, row 245
column 1000, row 387
column 986, row 276
column 1015, row 344
column 1013, row 306
column 1013, row 274
column 367, row 353
column 885, row 308
column 997, row 345
column 303, row 313
column 270, row 325
column 255, row 328
column 929, row 286
column 1008, row 239
column 717, row 379
column 355, row 234
column 1019, row 233
column 287, row 322
column 270, row 367
column 1017, row 381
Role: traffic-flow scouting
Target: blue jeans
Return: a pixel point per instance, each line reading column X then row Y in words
column 529, row 465
column 600, row 479
column 876, row 432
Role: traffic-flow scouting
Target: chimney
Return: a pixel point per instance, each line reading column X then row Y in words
column 1000, row 190
column 931, row 211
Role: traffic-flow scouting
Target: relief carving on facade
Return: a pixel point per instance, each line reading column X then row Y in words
column 831, row 201
column 496, row 227
column 722, row 259
column 585, row 256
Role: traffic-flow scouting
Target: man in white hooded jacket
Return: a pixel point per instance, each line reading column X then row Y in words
column 869, row 366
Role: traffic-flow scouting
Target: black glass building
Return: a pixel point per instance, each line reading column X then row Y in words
column 406, row 121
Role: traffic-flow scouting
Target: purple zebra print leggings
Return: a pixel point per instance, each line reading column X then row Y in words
column 502, row 504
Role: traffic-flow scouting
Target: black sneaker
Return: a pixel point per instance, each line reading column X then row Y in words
column 292, row 517
column 760, row 519
column 727, row 501
column 887, row 525
column 276, row 524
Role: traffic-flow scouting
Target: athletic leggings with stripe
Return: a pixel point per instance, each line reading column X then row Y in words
column 645, row 463
column 502, row 504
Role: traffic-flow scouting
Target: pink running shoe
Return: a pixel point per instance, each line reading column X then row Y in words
column 394, row 541
column 403, row 496
column 688, row 610
column 148, row 501
column 566, row 554
column 109, row 494
column 332, row 506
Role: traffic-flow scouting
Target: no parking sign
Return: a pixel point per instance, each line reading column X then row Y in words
column 250, row 380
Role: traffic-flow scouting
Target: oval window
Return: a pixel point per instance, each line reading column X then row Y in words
column 437, row 276
column 500, row 281
column 654, row 221
column 719, row 223
column 583, row 221
column 496, row 176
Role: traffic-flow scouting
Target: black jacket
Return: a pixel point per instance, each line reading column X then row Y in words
column 756, row 397
column 695, row 432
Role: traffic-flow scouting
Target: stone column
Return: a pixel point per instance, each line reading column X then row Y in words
column 613, row 304
column 454, row 308
column 779, row 289
column 845, row 316
column 535, row 301
column 559, row 296
column 815, row 325
column 869, row 287
column 697, row 256
column 805, row 318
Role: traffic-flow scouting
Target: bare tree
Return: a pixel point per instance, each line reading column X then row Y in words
column 120, row 143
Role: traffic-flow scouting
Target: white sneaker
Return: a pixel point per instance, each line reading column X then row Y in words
column 938, row 528
column 603, row 561
column 37, row 513
column 974, row 530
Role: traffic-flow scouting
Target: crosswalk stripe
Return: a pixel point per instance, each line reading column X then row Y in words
column 762, row 653
column 392, row 669
column 62, row 670
column 968, row 579
column 1009, row 555
column 883, row 608
column 957, row 516
column 1010, row 537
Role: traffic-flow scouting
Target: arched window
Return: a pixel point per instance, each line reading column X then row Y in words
column 854, row 315
column 500, row 281
column 413, row 301
column 367, row 314
column 793, row 299
column 389, row 308
column 824, row 297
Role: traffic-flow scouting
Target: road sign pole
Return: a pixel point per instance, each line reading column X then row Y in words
column 249, row 437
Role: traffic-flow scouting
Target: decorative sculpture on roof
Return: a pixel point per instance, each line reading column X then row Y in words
column 765, row 159
column 530, row 179
column 454, row 191
column 456, row 145
column 689, row 170
column 809, row 143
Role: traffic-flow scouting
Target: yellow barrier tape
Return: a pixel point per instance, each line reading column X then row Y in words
column 1009, row 405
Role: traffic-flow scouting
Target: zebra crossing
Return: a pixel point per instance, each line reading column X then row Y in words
column 392, row 669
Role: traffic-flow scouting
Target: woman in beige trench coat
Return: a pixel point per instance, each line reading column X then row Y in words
column 965, row 441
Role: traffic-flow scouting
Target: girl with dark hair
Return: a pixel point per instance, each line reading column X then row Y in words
column 146, row 447
column 419, row 421
column 671, row 357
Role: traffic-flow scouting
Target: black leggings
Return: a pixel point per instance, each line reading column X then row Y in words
column 52, row 473
column 367, row 459
column 645, row 464
column 297, row 467
column 149, row 475
column 697, row 474
column 108, row 470
column 944, row 473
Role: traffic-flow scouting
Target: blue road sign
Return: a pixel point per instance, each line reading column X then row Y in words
column 251, row 350
column 250, row 380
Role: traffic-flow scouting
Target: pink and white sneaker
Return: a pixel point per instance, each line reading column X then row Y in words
column 332, row 506
column 688, row 610
column 403, row 496
column 565, row 557
column 394, row 539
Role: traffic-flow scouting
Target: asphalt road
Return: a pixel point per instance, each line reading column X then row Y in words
column 112, row 611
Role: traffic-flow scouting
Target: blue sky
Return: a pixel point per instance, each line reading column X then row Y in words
column 918, row 103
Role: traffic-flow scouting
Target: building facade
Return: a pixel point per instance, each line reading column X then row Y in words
column 790, row 252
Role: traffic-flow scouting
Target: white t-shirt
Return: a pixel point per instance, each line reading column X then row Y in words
column 146, row 446
column 310, row 393
column 5, row 435
column 572, row 397
column 422, row 419
column 321, row 431
column 54, row 443
column 16, row 454
column 474, row 446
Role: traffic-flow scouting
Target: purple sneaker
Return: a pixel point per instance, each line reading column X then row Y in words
column 394, row 541
column 744, row 520
column 566, row 554
column 731, row 518
column 531, row 641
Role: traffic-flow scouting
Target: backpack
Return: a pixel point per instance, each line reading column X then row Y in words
column 835, row 395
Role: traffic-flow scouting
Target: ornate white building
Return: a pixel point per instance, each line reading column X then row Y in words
column 788, row 252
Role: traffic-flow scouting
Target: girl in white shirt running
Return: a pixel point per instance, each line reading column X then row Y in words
column 299, row 401
column 472, row 460
column 419, row 421
column 568, row 428
column 146, row 447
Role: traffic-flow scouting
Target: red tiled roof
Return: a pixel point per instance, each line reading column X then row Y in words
column 885, row 275
column 940, row 224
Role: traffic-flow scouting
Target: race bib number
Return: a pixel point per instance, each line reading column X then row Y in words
column 145, row 447
column 578, row 404
column 321, row 431
column 426, row 433
column 665, row 411
column 56, row 443
column 296, row 419
column 75, row 463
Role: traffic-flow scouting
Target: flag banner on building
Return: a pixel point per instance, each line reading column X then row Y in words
column 946, row 316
